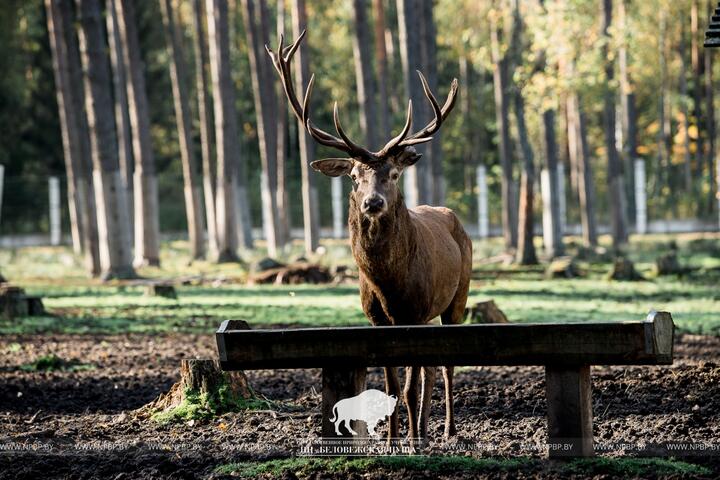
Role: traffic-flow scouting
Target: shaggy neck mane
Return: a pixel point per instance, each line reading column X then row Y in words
column 383, row 247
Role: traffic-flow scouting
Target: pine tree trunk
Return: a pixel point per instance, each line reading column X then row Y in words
column 206, row 128
column 579, row 148
column 552, row 227
column 364, row 78
column 69, row 125
column 616, row 187
column 282, row 144
column 84, row 174
column 417, row 179
column 147, row 229
column 226, row 136
column 122, row 115
column 436, row 186
column 257, row 33
column 697, row 66
column 191, row 184
column 112, row 217
column 500, row 89
column 710, row 127
column 307, row 149
column 525, row 254
column 629, row 110
column 381, row 62
column 687, row 157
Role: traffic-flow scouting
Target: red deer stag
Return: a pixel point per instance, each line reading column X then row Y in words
column 414, row 263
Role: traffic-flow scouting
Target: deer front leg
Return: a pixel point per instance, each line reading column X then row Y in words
column 392, row 387
column 427, row 381
column 412, row 375
column 450, row 429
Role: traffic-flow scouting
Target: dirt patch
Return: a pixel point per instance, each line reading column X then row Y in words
column 79, row 422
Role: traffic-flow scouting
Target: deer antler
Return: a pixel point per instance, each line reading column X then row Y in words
column 281, row 59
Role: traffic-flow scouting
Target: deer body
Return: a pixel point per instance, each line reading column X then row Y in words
column 414, row 264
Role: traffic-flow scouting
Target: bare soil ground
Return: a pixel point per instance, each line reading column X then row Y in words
column 79, row 422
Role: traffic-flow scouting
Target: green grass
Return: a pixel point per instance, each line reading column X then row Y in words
column 306, row 466
column 53, row 363
column 197, row 406
column 78, row 305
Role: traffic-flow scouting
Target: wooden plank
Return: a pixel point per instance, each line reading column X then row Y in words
column 338, row 384
column 569, row 407
column 612, row 343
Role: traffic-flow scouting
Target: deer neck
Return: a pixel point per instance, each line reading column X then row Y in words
column 382, row 248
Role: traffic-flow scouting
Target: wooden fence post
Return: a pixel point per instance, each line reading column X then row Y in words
column 54, row 197
column 337, row 207
column 640, row 197
column 338, row 384
column 569, row 406
column 483, row 220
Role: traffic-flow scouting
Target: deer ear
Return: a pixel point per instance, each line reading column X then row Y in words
column 333, row 167
column 408, row 157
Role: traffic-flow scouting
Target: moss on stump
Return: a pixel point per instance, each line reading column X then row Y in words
column 204, row 391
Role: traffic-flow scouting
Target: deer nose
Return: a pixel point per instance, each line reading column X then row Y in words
column 373, row 203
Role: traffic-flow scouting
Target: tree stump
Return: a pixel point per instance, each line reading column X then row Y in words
column 12, row 302
column 624, row 269
column 293, row 274
column 563, row 267
column 485, row 312
column 204, row 391
column 35, row 306
column 266, row 264
column 164, row 290
column 668, row 264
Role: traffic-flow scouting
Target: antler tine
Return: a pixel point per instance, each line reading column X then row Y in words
column 424, row 135
column 364, row 153
column 401, row 136
column 281, row 60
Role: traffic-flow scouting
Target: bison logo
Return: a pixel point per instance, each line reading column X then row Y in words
column 371, row 406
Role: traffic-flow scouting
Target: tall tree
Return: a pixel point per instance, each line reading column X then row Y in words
column 501, row 92
column 206, row 128
column 697, row 66
column 710, row 126
column 366, row 90
column 381, row 62
column 628, row 104
column 147, row 228
column 112, row 213
column 191, row 183
column 417, row 179
column 616, row 186
column 428, row 51
column 307, row 147
column 257, row 33
column 122, row 115
column 525, row 254
column 580, row 156
column 283, row 216
column 73, row 125
column 226, row 136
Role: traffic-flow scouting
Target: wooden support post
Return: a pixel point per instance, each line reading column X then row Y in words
column 54, row 197
column 338, row 384
column 569, row 404
column 482, row 191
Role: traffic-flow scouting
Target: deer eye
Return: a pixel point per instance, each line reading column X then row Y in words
column 354, row 177
column 394, row 176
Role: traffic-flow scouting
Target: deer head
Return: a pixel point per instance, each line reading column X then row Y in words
column 375, row 175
